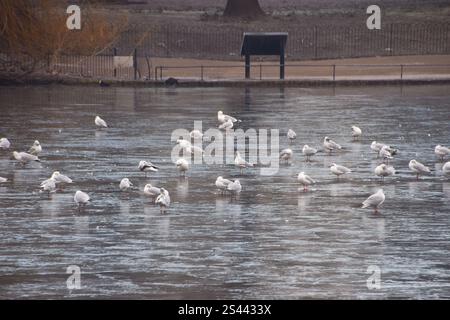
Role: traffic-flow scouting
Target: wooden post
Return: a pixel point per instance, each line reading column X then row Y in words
column 135, row 63
column 114, row 64
column 281, row 61
column 247, row 66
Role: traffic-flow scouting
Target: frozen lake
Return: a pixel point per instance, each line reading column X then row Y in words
column 274, row 241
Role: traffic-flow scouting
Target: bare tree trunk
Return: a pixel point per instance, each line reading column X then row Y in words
column 243, row 9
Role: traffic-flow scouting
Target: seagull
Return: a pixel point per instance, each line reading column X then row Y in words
column 99, row 122
column 125, row 184
column 286, row 155
column 308, row 152
column 441, row 151
column 305, row 180
column 3, row 180
column 234, row 187
column 222, row 184
column 24, row 157
column 196, row 134
column 376, row 147
column 48, row 185
column 385, row 153
column 356, row 132
column 339, row 170
column 384, row 171
column 182, row 166
column 291, row 135
column 146, row 166
column 240, row 162
column 418, row 168
column 224, row 117
column 227, row 125
column 375, row 200
column 103, row 83
column 184, row 143
column 60, row 178
column 151, row 191
column 194, row 150
column 36, row 148
column 446, row 168
column 330, row 145
column 81, row 199
column 4, row 143
column 163, row 200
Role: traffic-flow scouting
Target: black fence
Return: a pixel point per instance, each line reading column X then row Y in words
column 304, row 43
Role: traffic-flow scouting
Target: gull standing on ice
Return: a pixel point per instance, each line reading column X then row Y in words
column 3, row 180
column 151, row 191
column 24, row 157
column 234, row 187
column 81, row 199
column 286, row 155
column 376, row 147
column 125, row 184
column 48, row 185
column 4, row 143
column 446, row 168
column 240, row 162
column 291, row 135
column 227, row 125
column 99, row 122
column 36, row 148
column 339, row 170
column 146, row 166
column 375, row 200
column 196, row 134
column 441, row 151
column 356, row 132
column 384, row 170
column 418, row 168
column 305, row 180
column 330, row 145
column 163, row 200
column 308, row 152
column 182, row 166
column 385, row 154
column 224, row 117
column 222, row 184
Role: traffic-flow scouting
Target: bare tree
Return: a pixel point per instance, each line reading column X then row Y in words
column 243, row 9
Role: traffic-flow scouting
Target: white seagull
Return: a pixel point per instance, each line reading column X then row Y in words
column 224, row 117
column 182, row 166
column 60, row 178
column 308, row 152
column 81, row 199
column 305, row 180
column 184, row 143
column 376, row 147
column 48, row 185
column 125, row 184
column 227, row 125
column 374, row 201
column 196, row 134
column 441, row 151
column 4, row 143
column 446, row 168
column 151, row 191
column 240, row 162
column 385, row 153
column 339, row 170
column 384, row 170
column 291, row 135
column 286, row 155
column 418, row 168
column 99, row 122
column 147, row 166
column 234, row 187
column 222, row 184
column 3, row 180
column 330, row 145
column 24, row 157
column 356, row 132
column 36, row 148
column 163, row 200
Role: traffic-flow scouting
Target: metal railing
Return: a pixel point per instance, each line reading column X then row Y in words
column 397, row 71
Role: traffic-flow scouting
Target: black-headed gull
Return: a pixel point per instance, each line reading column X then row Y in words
column 48, row 186
column 385, row 154
column 163, row 200
column 330, row 145
column 384, row 170
column 240, row 162
column 224, row 117
column 308, row 152
column 147, row 166
column 24, row 157
column 375, row 200
column 234, row 187
column 286, row 155
column 339, row 170
column 99, row 122
column 418, row 168
column 305, row 180
column 151, row 191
